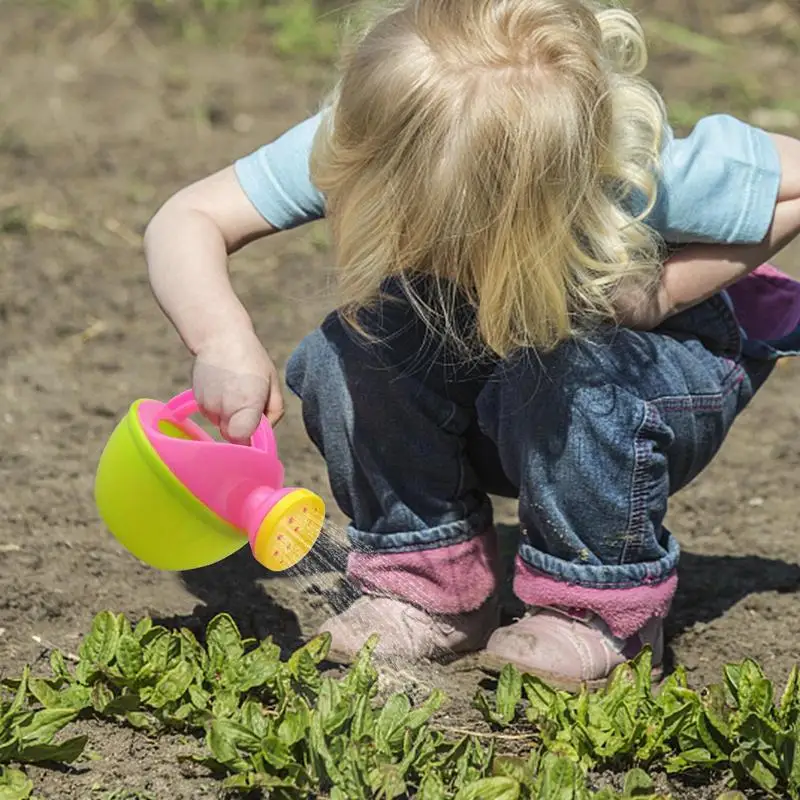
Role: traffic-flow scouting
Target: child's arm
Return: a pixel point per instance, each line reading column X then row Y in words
column 187, row 245
column 743, row 205
column 700, row 271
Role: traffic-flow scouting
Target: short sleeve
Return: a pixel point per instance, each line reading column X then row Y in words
column 276, row 178
column 720, row 184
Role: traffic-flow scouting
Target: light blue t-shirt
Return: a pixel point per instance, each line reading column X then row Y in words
column 719, row 184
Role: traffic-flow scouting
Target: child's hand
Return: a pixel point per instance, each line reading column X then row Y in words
column 235, row 382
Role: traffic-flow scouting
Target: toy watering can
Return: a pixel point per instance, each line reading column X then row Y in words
column 178, row 499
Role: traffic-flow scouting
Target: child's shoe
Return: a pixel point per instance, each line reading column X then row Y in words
column 567, row 650
column 408, row 633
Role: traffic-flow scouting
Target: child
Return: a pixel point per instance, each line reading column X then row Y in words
column 501, row 185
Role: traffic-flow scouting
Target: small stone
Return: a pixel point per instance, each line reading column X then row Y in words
column 243, row 123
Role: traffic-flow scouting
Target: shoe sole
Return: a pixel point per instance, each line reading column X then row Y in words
column 494, row 666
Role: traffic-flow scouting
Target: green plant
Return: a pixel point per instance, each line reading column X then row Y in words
column 15, row 785
column 287, row 727
column 26, row 735
column 733, row 726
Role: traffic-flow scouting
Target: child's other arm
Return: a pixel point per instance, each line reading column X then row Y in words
column 750, row 197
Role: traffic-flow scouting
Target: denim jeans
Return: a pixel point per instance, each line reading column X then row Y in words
column 592, row 438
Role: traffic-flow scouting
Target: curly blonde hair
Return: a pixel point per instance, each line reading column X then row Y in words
column 507, row 149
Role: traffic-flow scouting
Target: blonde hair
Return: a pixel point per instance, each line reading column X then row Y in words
column 494, row 146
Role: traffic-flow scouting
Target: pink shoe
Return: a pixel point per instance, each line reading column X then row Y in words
column 567, row 651
column 408, row 633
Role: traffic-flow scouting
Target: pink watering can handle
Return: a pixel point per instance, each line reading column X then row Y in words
column 184, row 405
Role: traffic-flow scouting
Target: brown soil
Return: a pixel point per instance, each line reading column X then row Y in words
column 99, row 122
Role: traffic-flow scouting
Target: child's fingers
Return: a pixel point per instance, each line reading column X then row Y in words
column 275, row 405
column 242, row 406
column 241, row 425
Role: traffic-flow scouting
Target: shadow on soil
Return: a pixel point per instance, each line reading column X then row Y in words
column 239, row 586
column 708, row 587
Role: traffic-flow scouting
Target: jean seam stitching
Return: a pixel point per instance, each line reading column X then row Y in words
column 636, row 517
column 728, row 319
column 649, row 578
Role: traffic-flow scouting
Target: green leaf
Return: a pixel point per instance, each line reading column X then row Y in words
column 789, row 705
column 129, row 656
column 275, row 752
column 58, row 665
column 391, row 721
column 100, row 646
column 294, row 725
column 389, row 782
column 637, row 784
column 173, row 685
column 362, row 677
column 303, row 668
column 732, row 674
column 156, row 646
column 481, row 703
column 200, row 697
column 45, row 693
column 45, row 724
column 691, row 759
column 124, row 625
column 126, row 702
column 14, row 785
column 181, row 713
column 490, row 789
column 18, row 702
column 318, row 647
column 101, row 696
column 225, row 703
column 755, row 691
column 140, row 720
column 223, row 640
column 323, row 761
column 362, row 724
column 65, row 752
column 560, row 779
column 514, row 767
column 509, row 692
column 259, row 666
column 190, row 648
column 432, row 787
column 642, row 666
column 254, row 718
column 142, row 628
column 223, row 740
column 541, row 698
column 420, row 716
column 755, row 768
column 75, row 696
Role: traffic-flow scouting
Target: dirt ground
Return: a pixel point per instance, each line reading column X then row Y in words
column 100, row 121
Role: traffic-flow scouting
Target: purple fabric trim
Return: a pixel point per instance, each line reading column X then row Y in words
column 453, row 579
column 766, row 303
column 625, row 611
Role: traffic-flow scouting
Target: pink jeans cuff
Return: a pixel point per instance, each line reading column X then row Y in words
column 454, row 579
column 625, row 611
